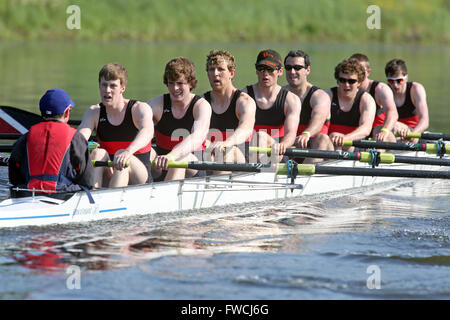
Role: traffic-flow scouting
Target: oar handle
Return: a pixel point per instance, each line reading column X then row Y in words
column 108, row 163
column 427, row 135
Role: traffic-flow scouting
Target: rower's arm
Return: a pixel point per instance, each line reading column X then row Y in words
column 367, row 110
column 143, row 120
column 245, row 111
column 320, row 105
column 385, row 98
column 89, row 121
column 157, row 108
column 419, row 99
column 292, row 108
column 200, row 128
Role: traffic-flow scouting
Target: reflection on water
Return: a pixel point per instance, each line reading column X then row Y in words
column 316, row 247
column 270, row 227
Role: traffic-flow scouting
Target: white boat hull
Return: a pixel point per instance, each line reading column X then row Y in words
column 181, row 195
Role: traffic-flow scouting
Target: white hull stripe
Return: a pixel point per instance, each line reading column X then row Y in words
column 58, row 215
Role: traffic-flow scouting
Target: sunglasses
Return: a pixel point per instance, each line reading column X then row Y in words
column 345, row 80
column 261, row 68
column 297, row 67
column 397, row 80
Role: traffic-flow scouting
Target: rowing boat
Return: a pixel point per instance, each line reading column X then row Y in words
column 188, row 194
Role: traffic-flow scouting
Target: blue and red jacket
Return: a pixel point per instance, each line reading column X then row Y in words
column 51, row 157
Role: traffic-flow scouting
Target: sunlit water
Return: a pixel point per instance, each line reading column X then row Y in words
column 312, row 248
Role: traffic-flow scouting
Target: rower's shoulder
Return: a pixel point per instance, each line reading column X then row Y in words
column 320, row 94
column 156, row 102
column 244, row 97
column 367, row 99
column 417, row 87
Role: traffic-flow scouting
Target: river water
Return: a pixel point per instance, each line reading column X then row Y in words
column 392, row 243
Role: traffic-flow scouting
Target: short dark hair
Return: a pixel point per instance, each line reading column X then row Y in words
column 394, row 66
column 299, row 53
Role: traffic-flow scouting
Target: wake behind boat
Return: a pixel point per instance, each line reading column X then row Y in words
column 197, row 193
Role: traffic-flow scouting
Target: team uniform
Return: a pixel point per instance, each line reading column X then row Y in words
column 113, row 138
column 380, row 115
column 51, row 158
column 270, row 120
column 227, row 122
column 168, row 124
column 407, row 113
column 341, row 121
column 305, row 115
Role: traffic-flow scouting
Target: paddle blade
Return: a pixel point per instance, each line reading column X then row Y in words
column 14, row 120
column 17, row 121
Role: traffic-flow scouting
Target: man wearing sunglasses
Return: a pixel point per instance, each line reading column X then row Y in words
column 352, row 109
column 313, row 126
column 386, row 112
column 277, row 109
column 410, row 99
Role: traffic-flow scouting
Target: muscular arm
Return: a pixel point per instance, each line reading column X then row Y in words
column 89, row 121
column 367, row 109
column 245, row 111
column 143, row 120
column 419, row 99
column 385, row 98
column 292, row 110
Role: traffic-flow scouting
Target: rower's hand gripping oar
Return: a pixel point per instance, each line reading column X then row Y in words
column 372, row 158
column 5, row 160
column 439, row 148
column 427, row 136
column 309, row 169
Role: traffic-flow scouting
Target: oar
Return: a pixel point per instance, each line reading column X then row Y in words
column 428, row 135
column 10, row 136
column 368, row 157
column 438, row 148
column 4, row 162
column 6, row 148
column 309, row 169
column 15, row 120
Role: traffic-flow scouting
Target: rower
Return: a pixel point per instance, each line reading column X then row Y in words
column 410, row 99
column 386, row 114
column 352, row 109
column 277, row 109
column 313, row 126
column 233, row 111
column 181, row 121
column 52, row 157
column 124, row 130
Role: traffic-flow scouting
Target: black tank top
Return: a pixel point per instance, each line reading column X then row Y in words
column 168, row 124
column 112, row 138
column 305, row 115
column 228, row 119
column 408, row 109
column 272, row 118
column 349, row 119
column 374, row 85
